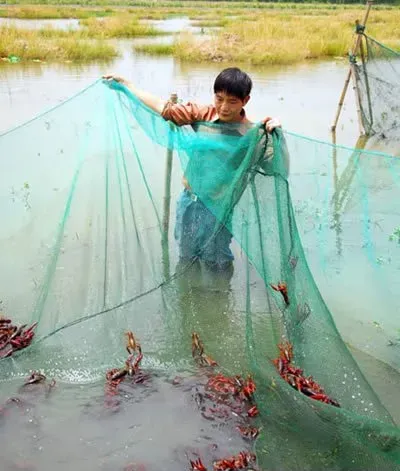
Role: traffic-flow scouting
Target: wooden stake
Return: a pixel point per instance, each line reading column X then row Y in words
column 353, row 52
column 358, row 98
column 168, row 172
column 336, row 214
column 167, row 200
column 363, row 60
column 341, row 100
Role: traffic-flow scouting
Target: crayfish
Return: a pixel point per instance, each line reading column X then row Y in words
column 241, row 461
column 131, row 367
column 234, row 386
column 294, row 376
column 37, row 378
column 282, row 288
column 198, row 352
column 248, row 432
column 197, row 465
column 13, row 338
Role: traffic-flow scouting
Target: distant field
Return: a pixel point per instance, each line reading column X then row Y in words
column 259, row 33
column 160, row 9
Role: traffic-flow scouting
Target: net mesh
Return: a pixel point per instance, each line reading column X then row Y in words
column 88, row 251
column 378, row 82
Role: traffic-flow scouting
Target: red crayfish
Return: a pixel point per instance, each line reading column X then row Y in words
column 116, row 375
column 240, row 461
column 294, row 376
column 198, row 352
column 13, row 338
column 282, row 288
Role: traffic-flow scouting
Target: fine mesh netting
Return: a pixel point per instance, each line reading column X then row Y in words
column 378, row 82
column 84, row 252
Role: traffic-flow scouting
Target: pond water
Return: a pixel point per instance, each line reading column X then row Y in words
column 176, row 25
column 70, row 427
column 64, row 24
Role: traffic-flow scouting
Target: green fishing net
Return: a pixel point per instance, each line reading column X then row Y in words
column 88, row 201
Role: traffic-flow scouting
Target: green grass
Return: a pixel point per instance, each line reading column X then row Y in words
column 52, row 45
column 154, row 4
column 156, row 49
column 261, row 33
column 48, row 12
column 284, row 37
column 85, row 44
column 126, row 26
column 212, row 22
column 159, row 9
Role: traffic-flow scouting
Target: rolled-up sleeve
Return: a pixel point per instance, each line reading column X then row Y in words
column 187, row 114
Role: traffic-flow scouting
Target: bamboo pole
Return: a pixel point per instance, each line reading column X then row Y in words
column 168, row 172
column 341, row 100
column 363, row 60
column 353, row 52
column 336, row 213
column 167, row 200
column 358, row 98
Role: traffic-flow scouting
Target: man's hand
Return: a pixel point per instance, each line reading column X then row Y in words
column 114, row 81
column 111, row 77
column 271, row 123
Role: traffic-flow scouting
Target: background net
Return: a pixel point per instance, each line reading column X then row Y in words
column 85, row 253
column 378, row 81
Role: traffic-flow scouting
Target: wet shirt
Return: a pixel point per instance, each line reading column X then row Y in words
column 191, row 113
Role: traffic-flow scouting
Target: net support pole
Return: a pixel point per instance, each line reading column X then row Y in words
column 363, row 60
column 167, row 200
column 358, row 98
column 353, row 52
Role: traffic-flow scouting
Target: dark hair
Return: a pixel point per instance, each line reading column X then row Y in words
column 234, row 82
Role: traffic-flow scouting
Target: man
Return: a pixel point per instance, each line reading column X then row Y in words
column 199, row 234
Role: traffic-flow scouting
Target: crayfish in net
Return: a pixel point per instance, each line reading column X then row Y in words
column 232, row 463
column 198, row 352
column 13, row 338
column 294, row 376
column 282, row 288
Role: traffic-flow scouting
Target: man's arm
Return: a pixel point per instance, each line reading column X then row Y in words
column 179, row 114
column 153, row 102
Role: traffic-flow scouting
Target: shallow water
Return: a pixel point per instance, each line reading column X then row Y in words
column 157, row 424
column 71, row 427
column 64, row 24
column 176, row 25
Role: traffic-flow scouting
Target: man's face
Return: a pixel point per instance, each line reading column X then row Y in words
column 229, row 107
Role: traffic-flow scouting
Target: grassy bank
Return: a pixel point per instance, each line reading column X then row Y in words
column 85, row 44
column 31, row 45
column 50, row 12
column 116, row 27
column 262, row 34
column 156, row 49
column 286, row 38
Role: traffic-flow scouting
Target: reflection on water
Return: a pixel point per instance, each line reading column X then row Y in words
column 176, row 25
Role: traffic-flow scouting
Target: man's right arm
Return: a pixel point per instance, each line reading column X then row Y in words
column 153, row 102
column 179, row 114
